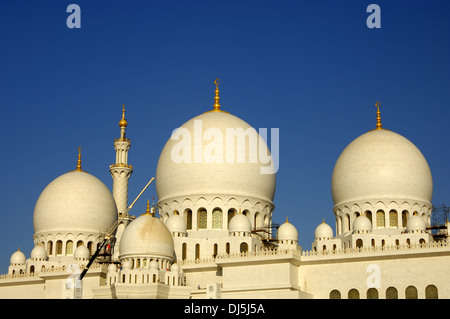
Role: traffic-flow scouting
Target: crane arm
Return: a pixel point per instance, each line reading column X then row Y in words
column 111, row 231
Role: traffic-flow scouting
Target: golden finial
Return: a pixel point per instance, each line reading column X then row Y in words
column 217, row 98
column 123, row 121
column 79, row 160
column 147, row 211
column 323, row 220
column 287, row 220
column 377, row 104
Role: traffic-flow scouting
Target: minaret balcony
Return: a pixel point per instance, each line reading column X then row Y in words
column 120, row 165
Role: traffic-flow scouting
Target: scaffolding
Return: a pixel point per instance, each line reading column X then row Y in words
column 268, row 234
column 439, row 218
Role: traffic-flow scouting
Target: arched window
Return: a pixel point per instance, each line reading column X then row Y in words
column 404, row 218
column 243, row 247
column 411, row 292
column 347, row 218
column 231, row 213
column 32, row 269
column 217, row 218
column 50, row 248
column 69, row 248
column 227, row 248
column 353, row 294
column 393, row 219
column 202, row 218
column 372, row 293
column 381, row 223
column 197, row 251
column 89, row 246
column 183, row 251
column 431, row 292
column 257, row 221
column 154, row 277
column 368, row 214
column 215, row 250
column 359, row 243
column 59, row 247
column 335, row 294
column 391, row 293
column 79, row 243
column 188, row 219
column 373, row 242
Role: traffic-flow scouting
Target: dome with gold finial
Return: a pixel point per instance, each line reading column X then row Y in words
column 381, row 165
column 147, row 236
column 74, row 202
column 287, row 231
column 323, row 231
column 214, row 154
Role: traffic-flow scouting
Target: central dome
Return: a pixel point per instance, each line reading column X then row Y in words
column 381, row 164
column 215, row 153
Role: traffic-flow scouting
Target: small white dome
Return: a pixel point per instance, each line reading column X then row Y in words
column 287, row 231
column 240, row 223
column 17, row 258
column 176, row 224
column 38, row 253
column 362, row 223
column 82, row 252
column 146, row 236
column 415, row 222
column 323, row 231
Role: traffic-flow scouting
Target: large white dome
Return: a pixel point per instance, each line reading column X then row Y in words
column 208, row 171
column 75, row 202
column 381, row 164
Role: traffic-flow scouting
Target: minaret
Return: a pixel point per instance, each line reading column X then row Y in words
column 121, row 170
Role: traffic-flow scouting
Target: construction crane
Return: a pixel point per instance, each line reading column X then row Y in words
column 110, row 233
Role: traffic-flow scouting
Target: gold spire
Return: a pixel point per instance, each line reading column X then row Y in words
column 216, row 98
column 123, row 121
column 147, row 212
column 377, row 104
column 79, row 160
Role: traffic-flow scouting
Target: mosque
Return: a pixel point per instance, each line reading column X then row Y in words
column 210, row 234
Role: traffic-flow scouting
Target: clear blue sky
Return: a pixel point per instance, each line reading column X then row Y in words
column 313, row 69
